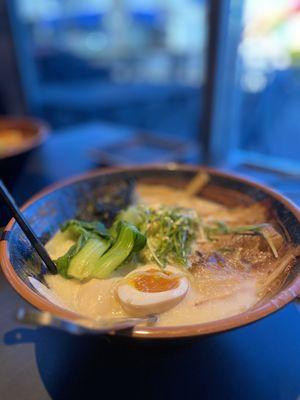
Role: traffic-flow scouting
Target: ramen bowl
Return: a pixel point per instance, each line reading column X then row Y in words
column 73, row 198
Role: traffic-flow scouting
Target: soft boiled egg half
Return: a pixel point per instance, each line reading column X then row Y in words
column 150, row 290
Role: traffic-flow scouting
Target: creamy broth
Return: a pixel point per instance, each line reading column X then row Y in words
column 96, row 299
column 214, row 293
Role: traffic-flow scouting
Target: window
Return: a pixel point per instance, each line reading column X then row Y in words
column 268, row 85
column 132, row 62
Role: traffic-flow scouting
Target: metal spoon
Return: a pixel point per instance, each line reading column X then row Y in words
column 82, row 325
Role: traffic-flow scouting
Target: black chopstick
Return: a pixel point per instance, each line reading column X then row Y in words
column 26, row 228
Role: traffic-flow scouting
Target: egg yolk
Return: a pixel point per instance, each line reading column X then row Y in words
column 154, row 281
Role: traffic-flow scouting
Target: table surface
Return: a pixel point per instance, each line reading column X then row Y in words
column 260, row 361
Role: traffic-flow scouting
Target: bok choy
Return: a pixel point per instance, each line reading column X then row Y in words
column 129, row 240
column 97, row 251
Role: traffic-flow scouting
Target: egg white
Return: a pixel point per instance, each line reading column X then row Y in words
column 138, row 303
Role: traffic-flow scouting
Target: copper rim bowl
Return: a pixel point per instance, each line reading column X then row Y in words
column 62, row 201
column 34, row 132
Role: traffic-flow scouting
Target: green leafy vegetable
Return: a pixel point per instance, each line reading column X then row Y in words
column 134, row 214
column 63, row 262
column 77, row 259
column 129, row 240
column 82, row 264
column 78, row 228
column 97, row 251
column 170, row 232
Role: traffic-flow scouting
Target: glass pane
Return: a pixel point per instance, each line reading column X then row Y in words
column 133, row 62
column 269, row 82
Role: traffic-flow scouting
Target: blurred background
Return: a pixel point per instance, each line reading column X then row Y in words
column 215, row 82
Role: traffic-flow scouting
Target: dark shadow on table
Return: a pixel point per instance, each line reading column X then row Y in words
column 91, row 367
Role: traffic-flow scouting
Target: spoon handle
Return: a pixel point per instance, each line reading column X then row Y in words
column 82, row 325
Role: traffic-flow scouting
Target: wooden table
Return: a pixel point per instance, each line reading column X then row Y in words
column 260, row 361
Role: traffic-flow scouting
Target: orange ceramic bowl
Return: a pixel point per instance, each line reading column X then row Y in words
column 28, row 133
column 69, row 199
